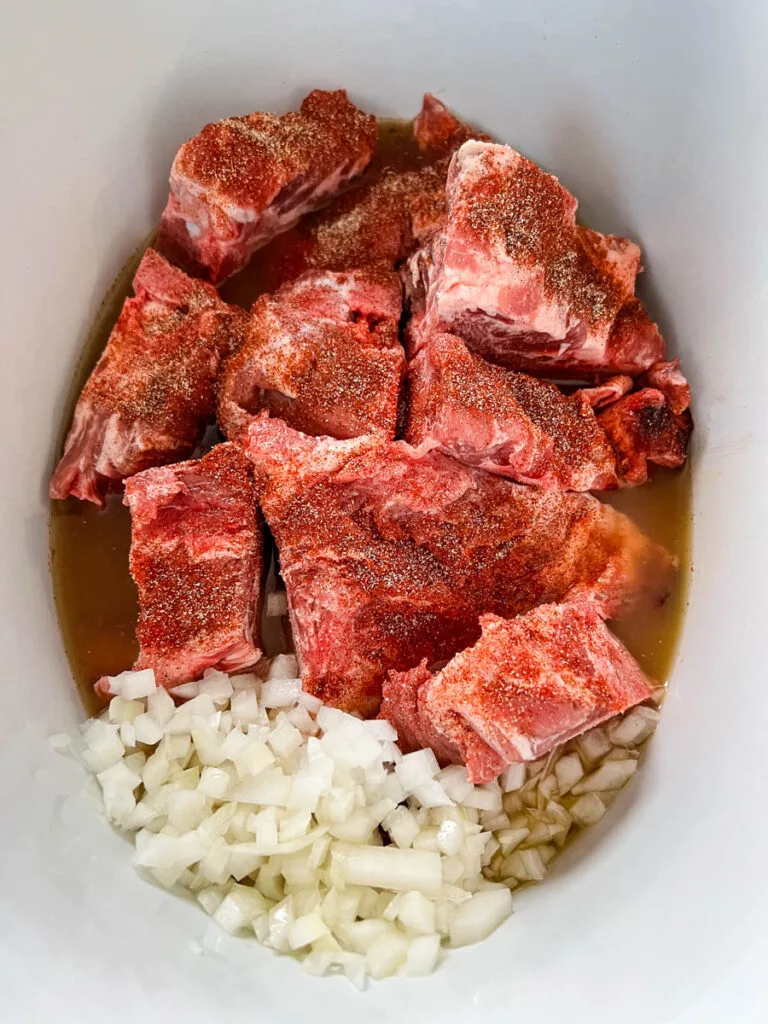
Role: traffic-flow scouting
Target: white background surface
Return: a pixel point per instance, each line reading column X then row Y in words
column 653, row 113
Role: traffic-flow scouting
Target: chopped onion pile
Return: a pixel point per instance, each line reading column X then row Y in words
column 544, row 802
column 309, row 828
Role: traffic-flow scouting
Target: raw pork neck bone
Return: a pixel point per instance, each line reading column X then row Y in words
column 390, row 555
column 438, row 132
column 526, row 429
column 527, row 685
column 505, row 422
column 153, row 390
column 323, row 354
column 643, row 428
column 384, row 218
column 523, row 285
column 197, row 556
column 243, row 180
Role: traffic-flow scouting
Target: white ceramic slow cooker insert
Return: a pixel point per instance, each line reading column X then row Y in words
column 653, row 115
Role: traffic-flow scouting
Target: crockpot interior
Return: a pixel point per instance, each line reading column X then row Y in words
column 653, row 115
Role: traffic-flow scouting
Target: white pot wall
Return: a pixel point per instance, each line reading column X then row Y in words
column 653, row 114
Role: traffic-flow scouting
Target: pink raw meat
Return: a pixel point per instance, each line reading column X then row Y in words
column 389, row 214
column 523, row 285
column 438, row 132
column 642, row 428
column 667, row 378
column 323, row 354
column 601, row 395
column 528, row 685
column 153, row 390
column 505, row 422
column 243, row 180
column 197, row 556
column 389, row 555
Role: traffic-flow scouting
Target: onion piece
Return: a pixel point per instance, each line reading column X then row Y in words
column 361, row 935
column 414, row 911
column 635, row 727
column 417, row 769
column 423, row 955
column 216, row 685
column 402, row 826
column 588, row 809
column 306, row 930
column 103, row 752
column 594, row 744
column 568, row 771
column 185, row 691
column 281, row 918
column 609, row 776
column 386, row 955
column 484, row 798
column 386, row 867
column 283, row 666
column 279, row 692
column 513, row 777
column 477, row 917
column 133, row 685
column 147, row 729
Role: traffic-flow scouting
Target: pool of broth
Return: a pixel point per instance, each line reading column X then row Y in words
column 95, row 596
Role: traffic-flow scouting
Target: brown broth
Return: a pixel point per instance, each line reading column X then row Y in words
column 662, row 509
column 96, row 598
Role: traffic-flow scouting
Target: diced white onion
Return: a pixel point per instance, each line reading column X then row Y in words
column 185, row 691
column 161, row 706
column 217, row 685
column 280, row 692
column 588, row 809
column 402, row 826
column 386, row 867
column 423, row 955
column 307, row 929
column 475, row 918
column 568, row 771
column 386, row 954
column 609, row 776
column 417, row 769
column 594, row 744
column 133, row 685
column 513, row 777
column 635, row 727
column 147, row 729
column 284, row 666
column 308, row 827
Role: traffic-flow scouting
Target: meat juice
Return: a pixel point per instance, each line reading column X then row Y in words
column 96, row 599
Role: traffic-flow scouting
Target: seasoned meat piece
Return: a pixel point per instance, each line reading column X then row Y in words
column 527, row 685
column 153, row 390
column 382, row 220
column 667, row 378
column 389, row 555
column 323, row 354
column 197, row 558
column 523, row 285
column 601, row 395
column 400, row 706
column 643, row 428
column 503, row 421
column 243, row 180
column 438, row 132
